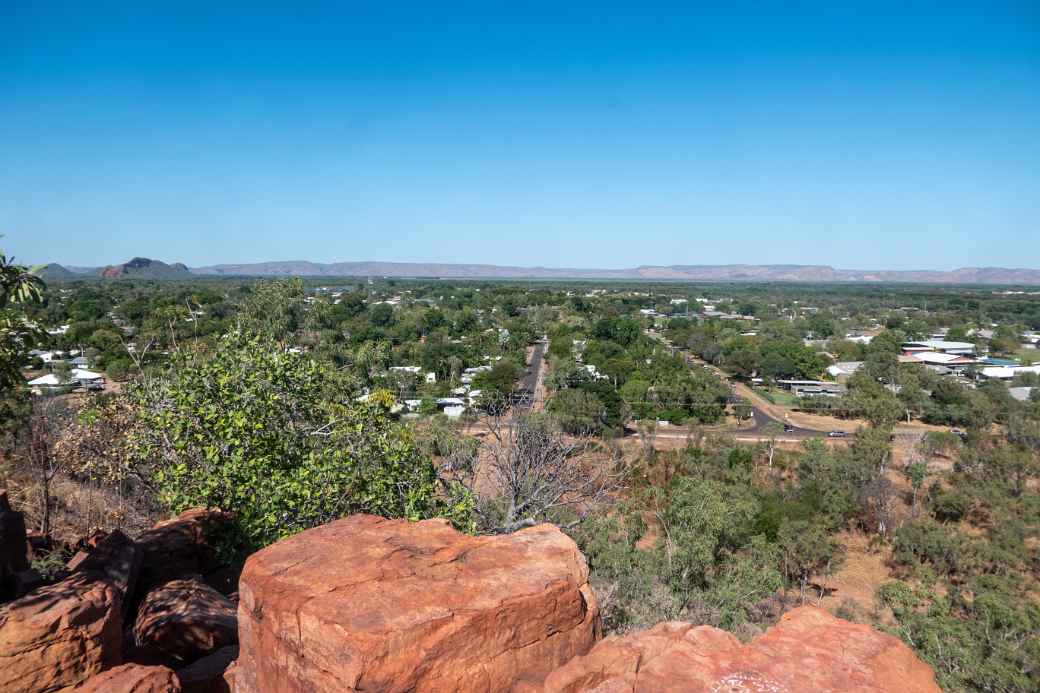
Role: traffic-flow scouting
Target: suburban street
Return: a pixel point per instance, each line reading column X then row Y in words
column 531, row 380
column 764, row 413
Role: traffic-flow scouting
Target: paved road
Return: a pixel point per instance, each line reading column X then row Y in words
column 762, row 419
column 529, row 380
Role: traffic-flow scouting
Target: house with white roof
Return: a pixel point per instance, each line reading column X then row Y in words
column 48, row 382
column 941, row 346
column 88, row 379
column 843, row 369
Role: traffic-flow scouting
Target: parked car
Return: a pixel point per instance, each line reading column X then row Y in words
column 788, row 428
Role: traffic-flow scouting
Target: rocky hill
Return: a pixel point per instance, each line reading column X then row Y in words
column 369, row 604
column 144, row 268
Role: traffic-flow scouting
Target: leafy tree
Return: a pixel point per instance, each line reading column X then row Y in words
column 381, row 315
column 747, row 577
column 273, row 309
column 983, row 638
column 17, row 335
column 916, row 471
column 869, row 399
column 806, row 549
column 500, row 381
column 704, row 518
column 579, row 412
column 251, row 430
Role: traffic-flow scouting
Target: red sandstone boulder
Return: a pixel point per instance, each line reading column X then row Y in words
column 59, row 635
column 808, row 650
column 133, row 678
column 180, row 547
column 185, row 620
column 62, row 634
column 368, row 604
column 112, row 557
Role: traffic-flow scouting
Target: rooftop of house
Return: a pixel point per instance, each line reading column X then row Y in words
column 938, row 357
column 940, row 345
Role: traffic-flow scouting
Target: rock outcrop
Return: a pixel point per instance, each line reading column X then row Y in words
column 180, row 547
column 114, row 558
column 808, row 650
column 133, row 678
column 62, row 634
column 368, row 604
column 185, row 620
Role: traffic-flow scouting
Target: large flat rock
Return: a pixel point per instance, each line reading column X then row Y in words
column 369, row 604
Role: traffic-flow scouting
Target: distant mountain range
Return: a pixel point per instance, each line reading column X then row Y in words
column 144, row 268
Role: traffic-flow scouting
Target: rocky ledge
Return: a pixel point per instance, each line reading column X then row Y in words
column 808, row 650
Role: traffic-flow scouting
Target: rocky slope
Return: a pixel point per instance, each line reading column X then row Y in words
column 369, row 604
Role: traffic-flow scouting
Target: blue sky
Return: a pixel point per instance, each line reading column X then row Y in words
column 862, row 135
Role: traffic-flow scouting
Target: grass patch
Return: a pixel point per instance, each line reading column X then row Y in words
column 1027, row 357
column 782, row 398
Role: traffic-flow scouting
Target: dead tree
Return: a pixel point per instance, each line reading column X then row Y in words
column 529, row 471
column 648, row 439
column 49, row 418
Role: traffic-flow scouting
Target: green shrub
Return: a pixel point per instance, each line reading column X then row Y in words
column 251, row 431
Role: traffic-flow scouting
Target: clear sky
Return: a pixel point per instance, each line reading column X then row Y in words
column 868, row 135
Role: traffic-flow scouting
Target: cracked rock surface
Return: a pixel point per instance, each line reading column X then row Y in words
column 366, row 604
